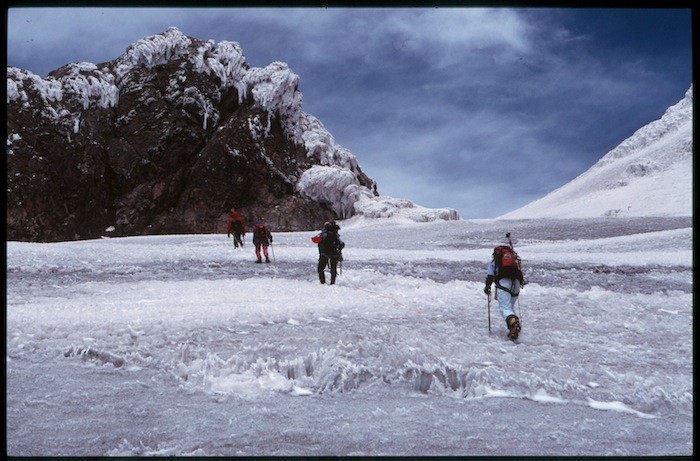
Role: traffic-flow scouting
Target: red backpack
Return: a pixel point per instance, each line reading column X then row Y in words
column 260, row 231
column 507, row 262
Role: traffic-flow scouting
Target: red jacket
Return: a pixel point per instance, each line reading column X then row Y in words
column 235, row 217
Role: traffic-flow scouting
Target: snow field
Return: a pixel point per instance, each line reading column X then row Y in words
column 588, row 347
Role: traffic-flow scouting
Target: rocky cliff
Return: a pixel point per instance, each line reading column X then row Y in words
column 168, row 138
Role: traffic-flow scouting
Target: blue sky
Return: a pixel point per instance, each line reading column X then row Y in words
column 479, row 109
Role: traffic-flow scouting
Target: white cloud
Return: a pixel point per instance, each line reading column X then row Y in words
column 470, row 29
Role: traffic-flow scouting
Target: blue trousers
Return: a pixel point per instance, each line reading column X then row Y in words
column 506, row 300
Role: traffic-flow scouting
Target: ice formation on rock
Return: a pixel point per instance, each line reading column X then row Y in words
column 87, row 85
column 19, row 81
column 337, row 187
column 389, row 207
column 273, row 88
column 225, row 60
column 151, row 51
column 81, row 84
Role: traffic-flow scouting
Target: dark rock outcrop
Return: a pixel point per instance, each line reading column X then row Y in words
column 168, row 138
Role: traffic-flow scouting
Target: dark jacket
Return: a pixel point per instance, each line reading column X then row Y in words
column 261, row 235
column 330, row 245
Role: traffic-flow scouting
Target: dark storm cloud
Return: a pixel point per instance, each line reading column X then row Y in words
column 436, row 103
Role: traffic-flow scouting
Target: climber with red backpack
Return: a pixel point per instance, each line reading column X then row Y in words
column 236, row 226
column 330, row 250
column 505, row 271
column 261, row 238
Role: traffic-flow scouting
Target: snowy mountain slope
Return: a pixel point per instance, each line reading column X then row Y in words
column 180, row 345
column 649, row 174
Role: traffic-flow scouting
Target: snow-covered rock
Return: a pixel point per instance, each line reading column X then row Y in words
column 162, row 123
column 389, row 207
column 337, row 187
column 152, row 51
column 648, row 174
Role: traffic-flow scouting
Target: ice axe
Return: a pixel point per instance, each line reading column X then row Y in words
column 488, row 304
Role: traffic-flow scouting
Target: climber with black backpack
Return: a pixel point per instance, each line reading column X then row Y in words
column 261, row 238
column 330, row 250
column 505, row 271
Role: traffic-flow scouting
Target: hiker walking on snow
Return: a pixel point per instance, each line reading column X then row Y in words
column 330, row 249
column 237, row 228
column 504, row 269
column 261, row 238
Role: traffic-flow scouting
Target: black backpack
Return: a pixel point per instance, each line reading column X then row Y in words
column 237, row 226
column 331, row 245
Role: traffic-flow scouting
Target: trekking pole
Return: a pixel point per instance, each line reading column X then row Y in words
column 510, row 242
column 520, row 314
column 489, row 309
column 272, row 247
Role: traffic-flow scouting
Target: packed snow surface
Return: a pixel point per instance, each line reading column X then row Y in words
column 180, row 345
column 648, row 174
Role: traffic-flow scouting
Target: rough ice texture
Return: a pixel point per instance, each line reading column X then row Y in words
column 225, row 60
column 320, row 144
column 335, row 186
column 648, row 174
column 389, row 207
column 89, row 85
column 19, row 81
column 275, row 89
column 152, row 51
column 398, row 348
column 338, row 187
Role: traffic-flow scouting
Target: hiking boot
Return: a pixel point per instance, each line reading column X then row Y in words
column 259, row 261
column 513, row 327
column 267, row 260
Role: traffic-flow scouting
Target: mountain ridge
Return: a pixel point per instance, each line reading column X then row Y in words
column 168, row 138
column 648, row 174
